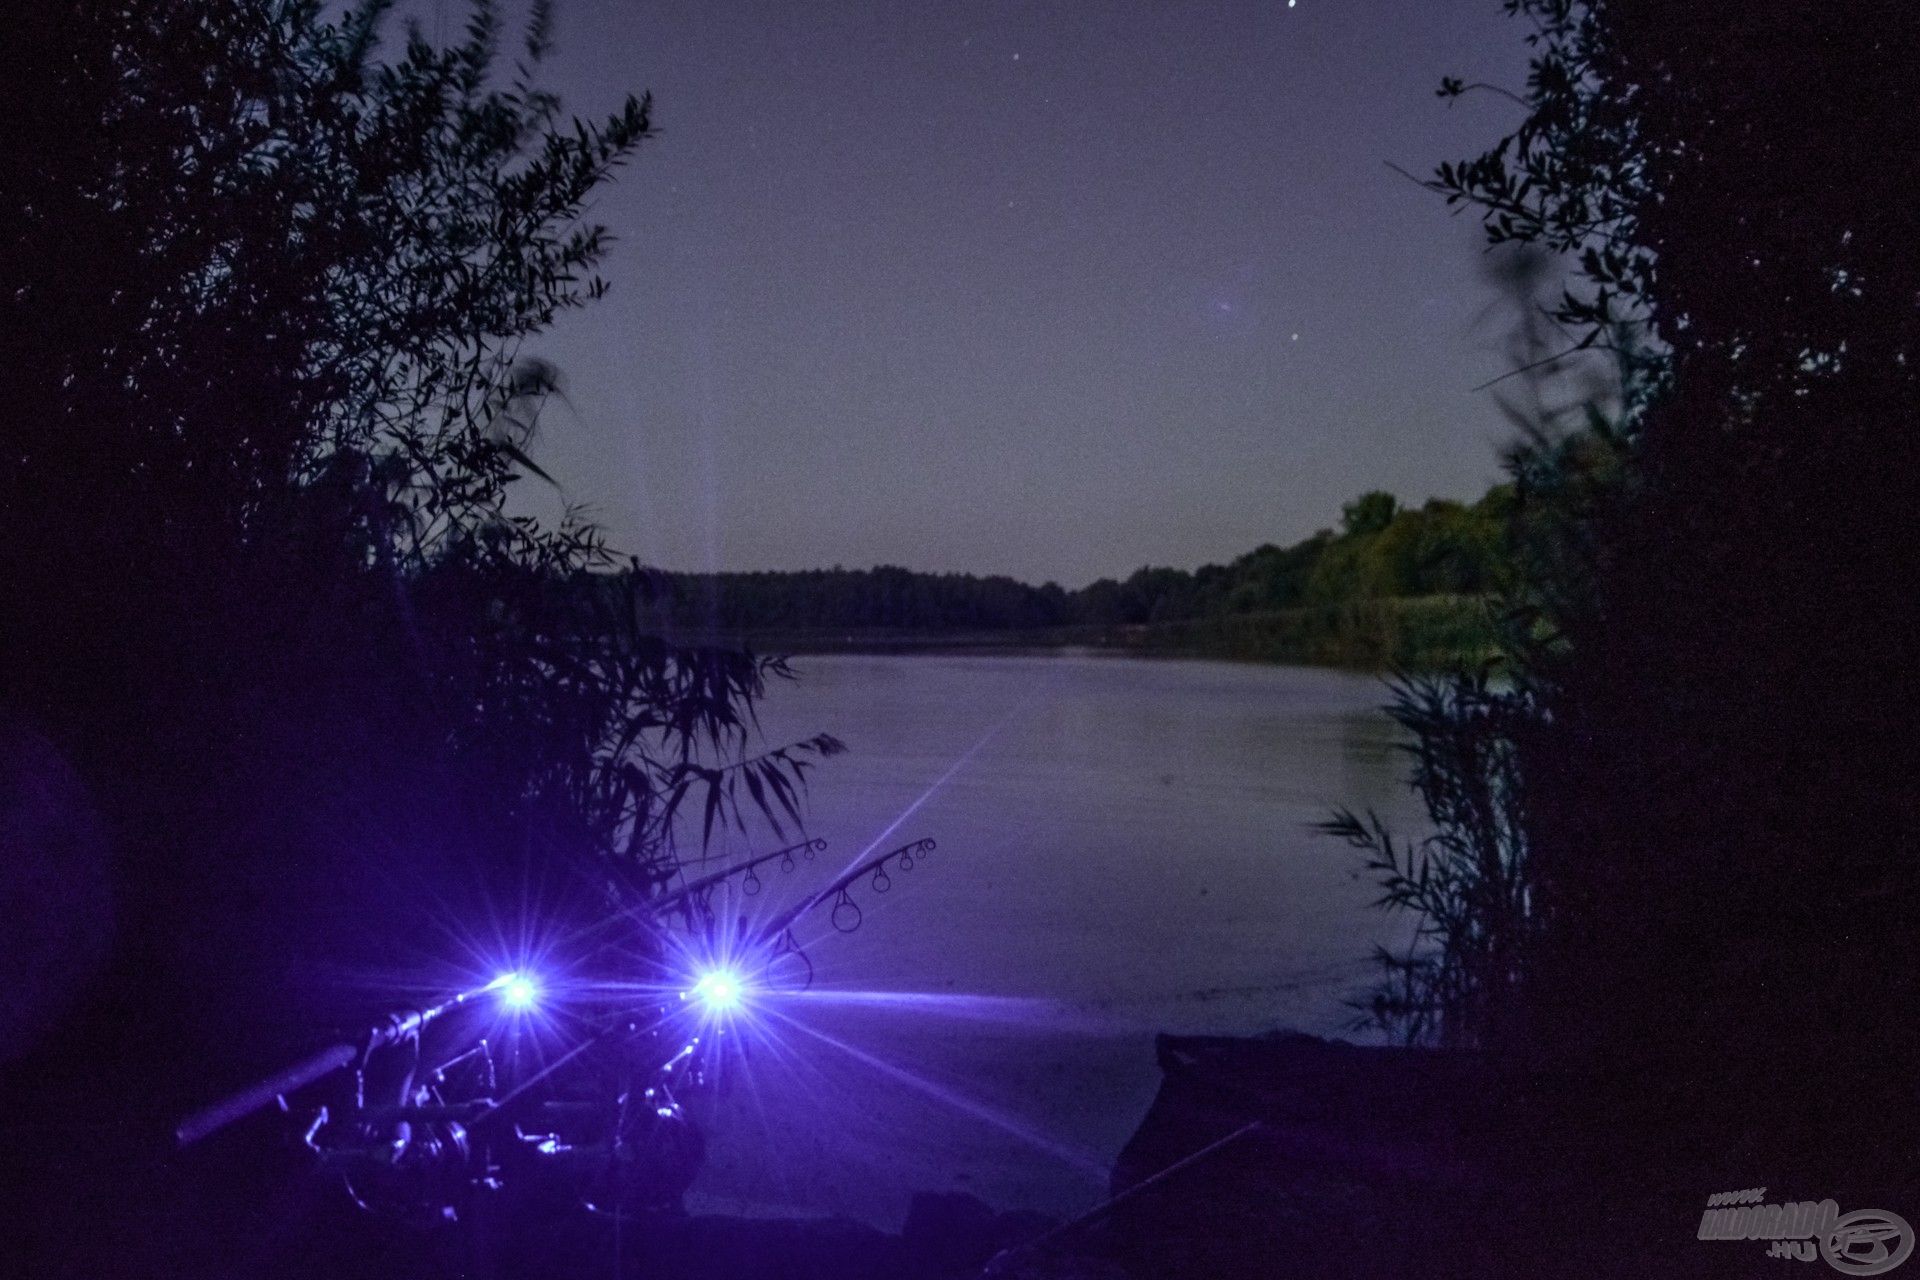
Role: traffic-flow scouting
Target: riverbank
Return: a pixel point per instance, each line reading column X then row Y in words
column 1420, row 632
column 1269, row 1156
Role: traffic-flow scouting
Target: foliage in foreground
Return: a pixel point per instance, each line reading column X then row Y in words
column 1719, row 789
column 1466, row 885
column 260, row 578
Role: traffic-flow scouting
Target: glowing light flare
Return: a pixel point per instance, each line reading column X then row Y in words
column 719, row 991
column 519, row 992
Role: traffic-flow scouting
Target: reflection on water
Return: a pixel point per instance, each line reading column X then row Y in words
column 1124, row 849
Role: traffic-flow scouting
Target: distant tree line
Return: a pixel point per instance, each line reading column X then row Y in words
column 1382, row 550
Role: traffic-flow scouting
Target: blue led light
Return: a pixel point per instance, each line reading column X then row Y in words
column 519, row 992
column 720, row 990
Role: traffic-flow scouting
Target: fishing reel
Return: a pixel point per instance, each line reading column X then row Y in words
column 563, row 1098
column 600, row 1125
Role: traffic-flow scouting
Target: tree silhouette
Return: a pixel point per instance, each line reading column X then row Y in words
column 1722, row 799
column 260, row 580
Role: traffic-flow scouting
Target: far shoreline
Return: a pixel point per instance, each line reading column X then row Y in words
column 1414, row 633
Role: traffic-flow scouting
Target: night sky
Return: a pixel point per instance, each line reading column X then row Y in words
column 1048, row 289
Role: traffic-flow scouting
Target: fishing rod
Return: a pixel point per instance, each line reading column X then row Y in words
column 420, row 1136
column 903, row 859
column 806, row 848
column 516, row 990
column 649, row 911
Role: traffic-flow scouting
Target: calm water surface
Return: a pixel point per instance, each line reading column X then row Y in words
column 1124, row 848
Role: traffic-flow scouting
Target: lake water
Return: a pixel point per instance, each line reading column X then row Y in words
column 1124, row 848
